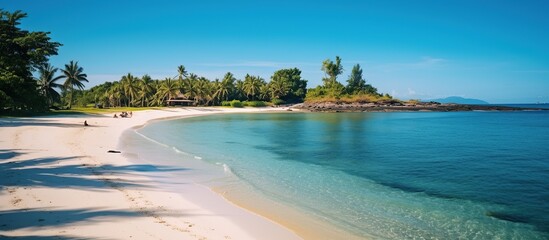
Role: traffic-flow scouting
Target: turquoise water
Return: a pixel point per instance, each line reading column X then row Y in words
column 464, row 175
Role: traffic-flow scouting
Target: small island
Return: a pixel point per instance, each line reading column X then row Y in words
column 358, row 96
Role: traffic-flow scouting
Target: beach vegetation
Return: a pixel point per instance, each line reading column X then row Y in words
column 287, row 85
column 278, row 101
column 21, row 53
column 255, row 104
column 47, row 83
column 74, row 76
column 356, row 90
column 236, row 104
column 252, row 87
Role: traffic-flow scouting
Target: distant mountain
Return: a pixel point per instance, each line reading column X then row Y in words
column 459, row 100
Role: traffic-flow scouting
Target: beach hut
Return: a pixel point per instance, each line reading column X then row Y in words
column 181, row 100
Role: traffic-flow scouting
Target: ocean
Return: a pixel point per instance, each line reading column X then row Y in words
column 401, row 175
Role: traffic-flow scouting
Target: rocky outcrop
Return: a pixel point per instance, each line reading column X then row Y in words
column 397, row 106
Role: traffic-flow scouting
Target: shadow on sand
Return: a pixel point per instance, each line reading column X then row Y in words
column 18, row 171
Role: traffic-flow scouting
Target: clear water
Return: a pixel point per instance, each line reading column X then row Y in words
column 464, row 175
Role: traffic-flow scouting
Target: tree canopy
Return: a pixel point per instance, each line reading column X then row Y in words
column 21, row 52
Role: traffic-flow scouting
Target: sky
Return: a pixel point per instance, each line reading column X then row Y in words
column 497, row 51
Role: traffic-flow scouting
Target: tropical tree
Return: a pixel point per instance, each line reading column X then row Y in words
column 238, row 91
column 21, row 51
column 332, row 70
column 225, row 88
column 74, row 77
column 130, row 86
column 252, row 86
column 203, row 89
column 278, row 88
column 355, row 83
column 167, row 90
column 145, row 89
column 181, row 72
column 290, row 78
column 115, row 94
column 189, row 85
column 265, row 93
column 47, row 83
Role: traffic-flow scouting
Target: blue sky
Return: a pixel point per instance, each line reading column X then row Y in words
column 497, row 51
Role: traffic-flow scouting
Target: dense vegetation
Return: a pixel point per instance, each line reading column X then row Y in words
column 286, row 86
column 23, row 53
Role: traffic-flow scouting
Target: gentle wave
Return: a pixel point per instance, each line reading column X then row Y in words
column 152, row 140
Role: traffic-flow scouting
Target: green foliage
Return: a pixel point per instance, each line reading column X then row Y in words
column 332, row 70
column 21, row 52
column 277, row 101
column 252, row 86
column 356, row 91
column 236, row 104
column 74, row 76
column 47, row 83
column 356, row 83
column 286, row 84
column 255, row 103
column 226, row 103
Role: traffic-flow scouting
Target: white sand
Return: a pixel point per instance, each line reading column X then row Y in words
column 58, row 180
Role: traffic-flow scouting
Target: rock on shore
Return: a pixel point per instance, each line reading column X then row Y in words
column 396, row 106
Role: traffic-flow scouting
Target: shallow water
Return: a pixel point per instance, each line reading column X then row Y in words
column 471, row 175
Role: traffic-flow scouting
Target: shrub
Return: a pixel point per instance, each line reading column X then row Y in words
column 226, row 103
column 236, row 104
column 255, row 104
column 277, row 101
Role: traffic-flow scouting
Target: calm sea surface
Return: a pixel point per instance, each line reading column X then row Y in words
column 468, row 175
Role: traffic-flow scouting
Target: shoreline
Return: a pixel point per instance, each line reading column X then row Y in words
column 304, row 225
column 61, row 181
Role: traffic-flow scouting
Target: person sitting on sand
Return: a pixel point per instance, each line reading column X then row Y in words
column 115, row 116
column 86, row 123
column 131, row 114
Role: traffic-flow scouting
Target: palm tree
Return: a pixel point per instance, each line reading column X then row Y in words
column 129, row 84
column 278, row 88
column 252, row 86
column 146, row 89
column 265, row 92
column 181, row 72
column 203, row 90
column 224, row 88
column 238, row 91
column 189, row 85
column 114, row 94
column 167, row 90
column 74, row 77
column 47, row 83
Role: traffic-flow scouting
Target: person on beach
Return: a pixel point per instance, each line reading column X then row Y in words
column 115, row 116
column 86, row 123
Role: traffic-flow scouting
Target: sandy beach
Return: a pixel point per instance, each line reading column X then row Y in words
column 59, row 181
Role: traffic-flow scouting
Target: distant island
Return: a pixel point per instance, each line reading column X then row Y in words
column 458, row 100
